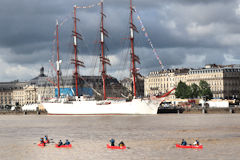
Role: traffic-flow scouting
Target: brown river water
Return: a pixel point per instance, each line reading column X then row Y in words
column 148, row 137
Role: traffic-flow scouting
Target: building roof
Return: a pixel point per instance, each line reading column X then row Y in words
column 9, row 86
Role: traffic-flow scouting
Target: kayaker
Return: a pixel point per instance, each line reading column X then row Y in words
column 112, row 141
column 46, row 140
column 196, row 143
column 42, row 141
column 121, row 144
column 67, row 142
column 184, row 143
column 60, row 143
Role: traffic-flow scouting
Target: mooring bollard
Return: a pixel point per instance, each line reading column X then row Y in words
column 231, row 110
column 203, row 111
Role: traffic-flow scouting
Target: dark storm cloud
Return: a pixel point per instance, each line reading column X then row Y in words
column 24, row 23
column 178, row 29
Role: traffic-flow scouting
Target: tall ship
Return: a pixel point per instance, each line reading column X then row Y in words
column 85, row 105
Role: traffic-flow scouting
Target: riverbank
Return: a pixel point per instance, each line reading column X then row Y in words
column 235, row 110
column 9, row 112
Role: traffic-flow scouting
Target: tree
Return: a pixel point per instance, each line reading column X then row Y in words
column 195, row 91
column 205, row 89
column 183, row 90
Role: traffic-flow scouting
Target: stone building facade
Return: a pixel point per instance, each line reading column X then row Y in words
column 7, row 92
column 18, row 97
column 158, row 83
column 223, row 80
column 25, row 95
column 6, row 97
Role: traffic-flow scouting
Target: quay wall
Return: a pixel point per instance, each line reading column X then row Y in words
column 212, row 110
column 8, row 112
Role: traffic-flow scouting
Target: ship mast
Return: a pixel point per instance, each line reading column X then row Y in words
column 75, row 61
column 58, row 61
column 103, row 59
column 134, row 58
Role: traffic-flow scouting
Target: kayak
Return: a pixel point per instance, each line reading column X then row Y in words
column 189, row 146
column 116, row 147
column 63, row 146
column 41, row 144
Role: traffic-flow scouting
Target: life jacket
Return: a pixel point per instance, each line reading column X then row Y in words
column 67, row 143
column 60, row 143
column 121, row 144
column 197, row 143
column 112, row 141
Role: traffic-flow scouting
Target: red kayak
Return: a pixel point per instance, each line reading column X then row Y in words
column 63, row 146
column 189, row 146
column 116, row 147
column 41, row 144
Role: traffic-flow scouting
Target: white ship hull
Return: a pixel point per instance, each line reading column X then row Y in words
column 136, row 106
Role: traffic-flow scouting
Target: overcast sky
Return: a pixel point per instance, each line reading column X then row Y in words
column 186, row 33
